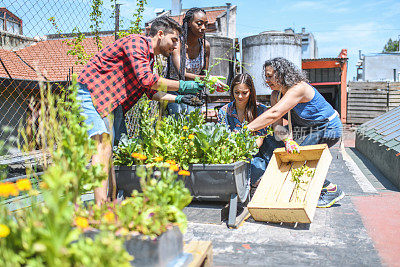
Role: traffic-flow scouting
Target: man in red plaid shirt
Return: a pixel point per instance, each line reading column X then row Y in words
column 115, row 79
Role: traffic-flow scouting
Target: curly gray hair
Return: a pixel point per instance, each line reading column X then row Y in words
column 285, row 72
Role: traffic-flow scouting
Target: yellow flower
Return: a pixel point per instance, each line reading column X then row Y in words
column 191, row 136
column 81, row 222
column 182, row 138
column 43, row 185
column 185, row 128
column 245, row 127
column 138, row 156
column 184, row 173
column 174, row 168
column 157, row 159
column 8, row 189
column 109, row 217
column 191, row 143
column 171, row 162
column 24, row 184
column 4, row 230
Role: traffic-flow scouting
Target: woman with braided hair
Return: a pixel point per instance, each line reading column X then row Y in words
column 191, row 58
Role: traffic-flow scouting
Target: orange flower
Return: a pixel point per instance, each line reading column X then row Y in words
column 8, row 189
column 171, row 162
column 138, row 156
column 158, row 159
column 191, row 143
column 174, row 168
column 185, row 128
column 109, row 217
column 43, row 185
column 24, row 184
column 81, row 222
column 191, row 136
column 4, row 230
column 184, row 173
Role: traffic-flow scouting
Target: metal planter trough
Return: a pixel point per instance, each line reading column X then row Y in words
column 207, row 182
column 165, row 250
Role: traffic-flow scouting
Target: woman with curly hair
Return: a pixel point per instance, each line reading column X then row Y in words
column 306, row 110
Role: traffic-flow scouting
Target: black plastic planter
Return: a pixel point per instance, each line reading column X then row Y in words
column 208, row 182
column 165, row 250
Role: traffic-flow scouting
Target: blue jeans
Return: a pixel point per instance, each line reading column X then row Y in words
column 175, row 109
column 260, row 161
column 101, row 125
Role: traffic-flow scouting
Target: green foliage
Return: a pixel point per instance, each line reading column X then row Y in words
column 299, row 172
column 43, row 234
column 186, row 140
column 391, row 46
column 135, row 27
column 150, row 212
column 95, row 16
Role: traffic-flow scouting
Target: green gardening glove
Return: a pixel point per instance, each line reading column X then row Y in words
column 190, row 87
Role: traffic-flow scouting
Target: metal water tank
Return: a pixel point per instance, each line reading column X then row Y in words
column 222, row 47
column 257, row 49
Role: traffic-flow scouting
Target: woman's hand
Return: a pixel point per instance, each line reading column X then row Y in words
column 219, row 85
column 291, row 145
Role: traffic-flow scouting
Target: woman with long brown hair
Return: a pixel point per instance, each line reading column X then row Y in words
column 244, row 109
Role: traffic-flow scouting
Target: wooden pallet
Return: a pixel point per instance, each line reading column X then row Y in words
column 278, row 199
column 201, row 251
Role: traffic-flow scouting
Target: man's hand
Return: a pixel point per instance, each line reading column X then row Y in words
column 190, row 87
column 190, row 100
column 291, row 146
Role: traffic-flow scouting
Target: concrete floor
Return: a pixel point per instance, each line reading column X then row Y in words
column 363, row 229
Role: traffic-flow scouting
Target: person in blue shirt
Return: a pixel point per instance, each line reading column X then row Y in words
column 244, row 109
column 316, row 120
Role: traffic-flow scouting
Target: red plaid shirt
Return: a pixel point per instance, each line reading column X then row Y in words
column 120, row 74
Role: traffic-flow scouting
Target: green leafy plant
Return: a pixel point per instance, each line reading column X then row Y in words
column 186, row 140
column 297, row 173
column 43, row 233
column 150, row 212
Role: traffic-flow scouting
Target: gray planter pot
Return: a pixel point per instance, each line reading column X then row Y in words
column 207, row 182
column 165, row 250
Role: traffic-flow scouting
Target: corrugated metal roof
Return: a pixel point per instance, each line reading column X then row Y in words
column 384, row 129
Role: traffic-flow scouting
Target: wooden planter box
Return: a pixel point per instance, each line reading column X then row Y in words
column 207, row 182
column 165, row 250
column 277, row 199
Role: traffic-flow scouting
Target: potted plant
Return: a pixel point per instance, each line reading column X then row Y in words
column 217, row 159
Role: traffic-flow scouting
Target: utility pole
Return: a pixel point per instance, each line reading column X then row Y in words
column 117, row 6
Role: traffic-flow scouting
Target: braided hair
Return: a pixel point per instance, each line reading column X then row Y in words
column 183, row 37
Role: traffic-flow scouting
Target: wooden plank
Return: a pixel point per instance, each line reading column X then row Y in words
column 317, row 182
column 288, row 215
column 201, row 251
column 365, row 104
column 268, row 181
column 306, row 153
column 367, row 85
column 357, row 120
column 301, row 192
column 366, row 100
column 288, row 186
column 357, row 108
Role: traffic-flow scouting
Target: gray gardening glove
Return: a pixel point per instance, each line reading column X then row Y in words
column 190, row 100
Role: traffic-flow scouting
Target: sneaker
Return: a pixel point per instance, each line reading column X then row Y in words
column 329, row 197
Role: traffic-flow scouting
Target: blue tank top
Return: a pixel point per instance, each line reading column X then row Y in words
column 316, row 109
column 319, row 109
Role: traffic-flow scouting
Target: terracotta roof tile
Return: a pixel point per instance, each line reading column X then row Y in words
column 49, row 57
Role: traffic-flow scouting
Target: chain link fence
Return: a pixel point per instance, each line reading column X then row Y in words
column 33, row 48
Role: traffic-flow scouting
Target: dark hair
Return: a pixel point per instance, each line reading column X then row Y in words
column 185, row 26
column 285, row 72
column 250, row 112
column 165, row 24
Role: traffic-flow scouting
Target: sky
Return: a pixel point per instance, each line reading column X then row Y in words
column 355, row 25
column 351, row 24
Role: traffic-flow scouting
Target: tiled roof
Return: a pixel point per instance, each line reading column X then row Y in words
column 211, row 16
column 49, row 57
